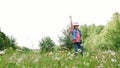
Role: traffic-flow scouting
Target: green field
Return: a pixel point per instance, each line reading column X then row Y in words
column 60, row 59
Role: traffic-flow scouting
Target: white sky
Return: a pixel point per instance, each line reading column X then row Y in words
column 29, row 20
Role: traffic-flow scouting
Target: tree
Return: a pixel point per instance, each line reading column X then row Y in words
column 46, row 44
column 107, row 37
column 84, row 31
column 91, row 30
column 65, row 39
column 112, row 33
column 6, row 42
column 13, row 42
column 99, row 28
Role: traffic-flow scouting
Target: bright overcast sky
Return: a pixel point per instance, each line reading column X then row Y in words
column 29, row 20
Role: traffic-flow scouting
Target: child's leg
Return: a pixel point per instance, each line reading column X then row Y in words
column 82, row 48
column 76, row 49
column 80, row 45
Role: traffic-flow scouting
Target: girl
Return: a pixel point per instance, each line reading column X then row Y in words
column 76, row 36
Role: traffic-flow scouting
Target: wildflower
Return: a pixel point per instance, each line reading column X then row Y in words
column 79, row 50
column 2, row 52
column 113, row 53
column 85, row 63
column 100, row 66
column 118, row 65
column 50, row 53
column 36, row 60
column 19, row 59
column 70, row 58
column 72, row 55
column 87, row 54
column 68, row 54
column 56, row 58
column 10, row 59
column 96, row 57
column 113, row 60
column 17, row 64
column 66, row 67
column 103, row 57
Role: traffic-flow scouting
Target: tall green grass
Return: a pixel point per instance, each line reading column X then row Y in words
column 60, row 59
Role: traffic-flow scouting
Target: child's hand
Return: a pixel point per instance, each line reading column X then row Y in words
column 70, row 17
column 70, row 20
column 73, row 41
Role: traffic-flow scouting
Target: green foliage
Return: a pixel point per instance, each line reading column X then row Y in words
column 65, row 39
column 90, row 30
column 84, row 30
column 91, row 36
column 99, row 28
column 4, row 41
column 60, row 59
column 13, row 42
column 105, row 38
column 46, row 44
column 111, row 33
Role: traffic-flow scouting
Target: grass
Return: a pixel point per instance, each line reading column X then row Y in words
column 60, row 59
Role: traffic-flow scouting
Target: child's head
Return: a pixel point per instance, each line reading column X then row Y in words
column 76, row 25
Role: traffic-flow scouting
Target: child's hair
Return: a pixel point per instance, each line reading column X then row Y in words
column 74, row 27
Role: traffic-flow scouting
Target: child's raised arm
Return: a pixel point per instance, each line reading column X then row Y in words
column 71, row 26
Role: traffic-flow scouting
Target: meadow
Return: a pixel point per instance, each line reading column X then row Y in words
column 59, row 59
column 101, row 49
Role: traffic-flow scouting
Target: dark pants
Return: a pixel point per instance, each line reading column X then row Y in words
column 79, row 45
